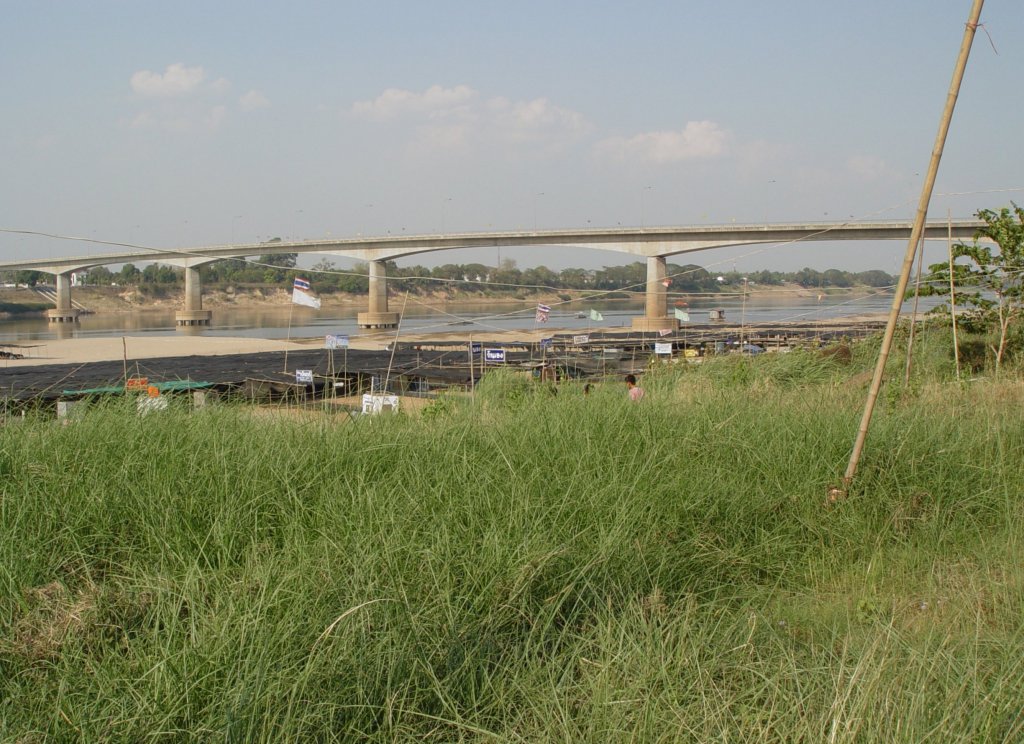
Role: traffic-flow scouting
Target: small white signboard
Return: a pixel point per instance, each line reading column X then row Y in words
column 581, row 339
column 662, row 348
column 494, row 355
column 379, row 403
column 336, row 341
column 303, row 375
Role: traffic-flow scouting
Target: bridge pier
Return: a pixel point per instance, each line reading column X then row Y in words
column 656, row 316
column 377, row 316
column 193, row 314
column 64, row 312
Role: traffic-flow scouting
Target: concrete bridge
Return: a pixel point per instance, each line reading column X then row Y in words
column 655, row 244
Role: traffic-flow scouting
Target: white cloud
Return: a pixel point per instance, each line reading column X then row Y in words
column 458, row 117
column 190, row 119
column 394, row 103
column 176, row 80
column 536, row 119
column 253, row 100
column 183, row 99
column 698, row 139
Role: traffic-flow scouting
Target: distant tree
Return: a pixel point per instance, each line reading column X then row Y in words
column 99, row 275
column 284, row 260
column 476, row 272
column 632, row 276
column 808, row 277
column 232, row 270
column 765, row 277
column 576, row 278
column 129, row 275
column 161, row 274
column 837, row 278
column 991, row 281
column 541, row 277
column 31, row 278
column 691, row 278
column 875, row 278
column 356, row 281
column 507, row 274
column 411, row 278
column 447, row 271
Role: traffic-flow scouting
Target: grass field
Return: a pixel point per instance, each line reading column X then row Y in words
column 526, row 566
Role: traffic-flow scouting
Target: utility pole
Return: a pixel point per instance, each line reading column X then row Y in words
column 915, row 236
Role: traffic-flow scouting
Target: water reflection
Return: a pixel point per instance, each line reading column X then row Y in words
column 281, row 322
column 189, row 330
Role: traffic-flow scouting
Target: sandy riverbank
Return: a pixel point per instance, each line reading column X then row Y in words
column 83, row 350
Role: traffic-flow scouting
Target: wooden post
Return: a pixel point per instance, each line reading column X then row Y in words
column 913, row 314
column 952, row 291
column 472, row 382
column 291, row 309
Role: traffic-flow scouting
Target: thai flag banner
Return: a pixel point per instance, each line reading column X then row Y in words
column 302, row 296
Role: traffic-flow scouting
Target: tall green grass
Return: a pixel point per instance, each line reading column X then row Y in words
column 523, row 567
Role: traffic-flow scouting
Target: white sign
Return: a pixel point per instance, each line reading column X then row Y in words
column 494, row 355
column 336, row 341
column 378, row 403
column 303, row 375
column 662, row 348
column 580, row 340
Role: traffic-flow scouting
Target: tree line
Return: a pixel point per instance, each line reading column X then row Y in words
column 326, row 277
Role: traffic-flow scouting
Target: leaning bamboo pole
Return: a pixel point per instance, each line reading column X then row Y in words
column 915, row 235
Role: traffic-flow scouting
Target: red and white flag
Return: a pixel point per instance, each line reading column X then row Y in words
column 301, row 294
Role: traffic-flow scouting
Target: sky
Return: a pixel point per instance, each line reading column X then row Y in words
column 198, row 123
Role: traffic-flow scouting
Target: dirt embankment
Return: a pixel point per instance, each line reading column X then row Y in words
column 133, row 299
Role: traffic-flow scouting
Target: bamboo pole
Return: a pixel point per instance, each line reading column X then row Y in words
column 291, row 309
column 743, row 314
column 915, row 235
column 952, row 292
column 394, row 344
column 913, row 313
column 472, row 382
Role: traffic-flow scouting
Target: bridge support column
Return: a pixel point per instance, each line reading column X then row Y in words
column 64, row 312
column 377, row 316
column 656, row 316
column 193, row 314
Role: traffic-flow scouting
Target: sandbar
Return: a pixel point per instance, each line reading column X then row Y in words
column 107, row 349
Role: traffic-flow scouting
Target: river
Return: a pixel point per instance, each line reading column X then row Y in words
column 280, row 322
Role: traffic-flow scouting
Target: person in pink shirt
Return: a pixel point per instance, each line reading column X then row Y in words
column 635, row 393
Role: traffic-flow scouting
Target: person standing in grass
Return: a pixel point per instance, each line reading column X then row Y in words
column 635, row 392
